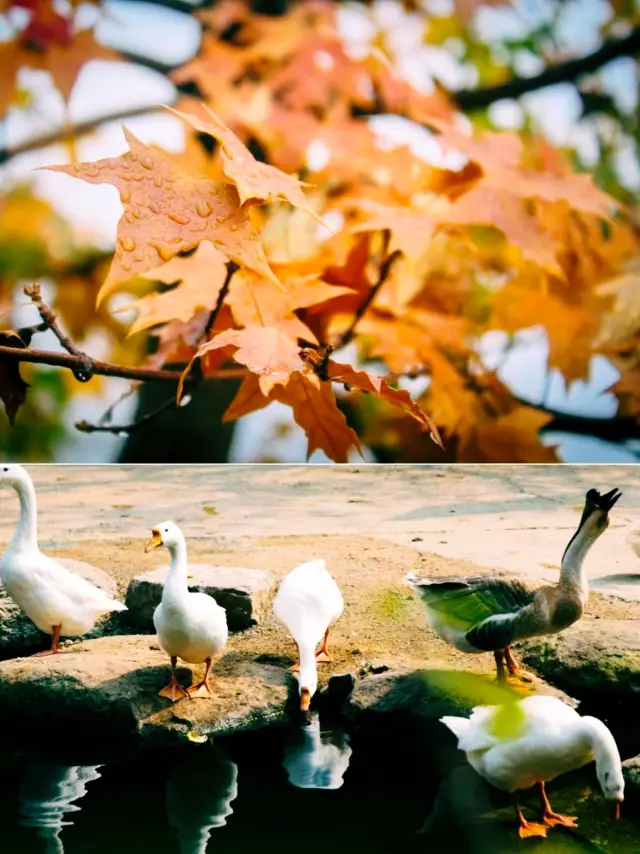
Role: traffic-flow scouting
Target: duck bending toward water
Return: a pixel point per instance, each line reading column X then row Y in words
column 308, row 603
column 190, row 626
column 485, row 614
column 58, row 601
column 538, row 739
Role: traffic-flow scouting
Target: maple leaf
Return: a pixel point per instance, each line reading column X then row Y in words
column 500, row 155
column 13, row 389
column 511, row 438
column 167, row 212
column 200, row 277
column 315, row 409
column 570, row 328
column 254, row 181
column 255, row 301
column 249, row 398
column 410, row 229
column 381, row 388
column 63, row 62
column 496, row 207
column 263, row 349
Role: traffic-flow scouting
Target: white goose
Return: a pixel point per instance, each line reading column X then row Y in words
column 308, row 603
column 190, row 626
column 533, row 741
column 58, row 601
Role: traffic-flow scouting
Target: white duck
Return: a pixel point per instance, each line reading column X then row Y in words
column 58, row 601
column 308, row 603
column 190, row 626
column 534, row 741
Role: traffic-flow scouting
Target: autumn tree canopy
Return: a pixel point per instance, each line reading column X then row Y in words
column 289, row 249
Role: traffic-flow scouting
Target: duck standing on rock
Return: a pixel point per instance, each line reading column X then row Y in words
column 190, row 626
column 533, row 741
column 58, row 601
column 485, row 614
column 308, row 603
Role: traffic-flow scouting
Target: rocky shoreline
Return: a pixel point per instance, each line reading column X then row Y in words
column 106, row 687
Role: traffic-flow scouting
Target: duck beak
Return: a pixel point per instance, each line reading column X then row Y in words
column 305, row 700
column 615, row 810
column 154, row 542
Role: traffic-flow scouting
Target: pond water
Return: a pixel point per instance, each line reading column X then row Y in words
column 306, row 788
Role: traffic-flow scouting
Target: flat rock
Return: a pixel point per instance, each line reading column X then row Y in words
column 18, row 634
column 590, row 658
column 245, row 594
column 415, row 700
column 108, row 688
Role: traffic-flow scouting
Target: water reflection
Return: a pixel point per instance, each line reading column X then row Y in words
column 199, row 792
column 316, row 759
column 48, row 793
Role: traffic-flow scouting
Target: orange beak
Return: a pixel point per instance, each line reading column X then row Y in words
column 305, row 699
column 615, row 811
column 154, row 542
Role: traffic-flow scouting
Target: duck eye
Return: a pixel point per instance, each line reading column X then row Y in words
column 6, row 469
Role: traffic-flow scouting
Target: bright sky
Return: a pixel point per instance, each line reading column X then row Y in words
column 105, row 86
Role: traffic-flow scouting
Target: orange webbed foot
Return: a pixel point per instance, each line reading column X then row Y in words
column 200, row 690
column 532, row 828
column 323, row 657
column 173, row 691
column 554, row 818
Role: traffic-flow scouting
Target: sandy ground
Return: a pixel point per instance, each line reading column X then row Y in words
column 372, row 524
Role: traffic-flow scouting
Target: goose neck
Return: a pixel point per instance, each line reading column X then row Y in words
column 176, row 584
column 26, row 535
column 571, row 573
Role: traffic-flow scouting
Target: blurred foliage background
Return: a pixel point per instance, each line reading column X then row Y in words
column 565, row 70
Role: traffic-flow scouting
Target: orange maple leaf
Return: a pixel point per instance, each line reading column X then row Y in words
column 381, row 388
column 166, row 212
column 265, row 350
column 63, row 62
column 570, row 328
column 254, row 181
column 493, row 206
column 314, row 409
column 200, row 277
column 500, row 155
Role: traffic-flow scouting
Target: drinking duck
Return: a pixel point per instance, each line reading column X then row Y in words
column 533, row 741
column 308, row 603
column 485, row 614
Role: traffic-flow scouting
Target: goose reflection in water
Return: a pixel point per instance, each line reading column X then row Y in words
column 48, row 793
column 315, row 759
column 199, row 792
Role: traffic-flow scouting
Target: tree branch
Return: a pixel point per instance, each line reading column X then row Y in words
column 125, row 429
column 72, row 131
column 563, row 72
column 383, row 272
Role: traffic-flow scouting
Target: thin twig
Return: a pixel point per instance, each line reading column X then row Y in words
column 73, row 131
column 383, row 272
column 51, row 320
column 125, row 429
column 83, row 373
column 232, row 268
column 193, row 377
